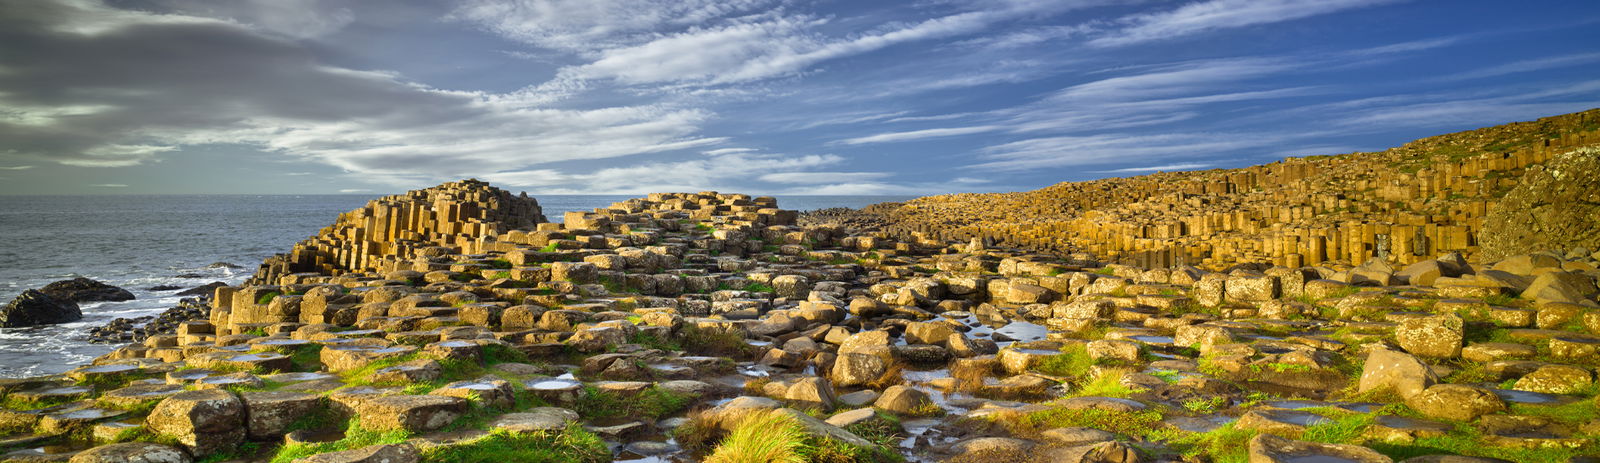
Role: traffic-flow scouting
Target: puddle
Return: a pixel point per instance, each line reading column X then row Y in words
column 1152, row 340
column 1526, row 397
column 1295, row 404
column 554, row 384
column 1023, row 331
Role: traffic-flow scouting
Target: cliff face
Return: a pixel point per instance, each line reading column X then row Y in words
column 1404, row 204
column 1554, row 206
column 455, row 216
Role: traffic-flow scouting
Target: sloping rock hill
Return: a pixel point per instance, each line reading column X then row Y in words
column 395, row 228
column 1405, row 204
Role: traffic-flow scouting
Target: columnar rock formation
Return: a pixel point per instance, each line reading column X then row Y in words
column 668, row 326
column 453, row 216
column 1404, row 205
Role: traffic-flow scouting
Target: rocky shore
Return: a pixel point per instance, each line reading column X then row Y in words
column 455, row 324
column 1432, row 303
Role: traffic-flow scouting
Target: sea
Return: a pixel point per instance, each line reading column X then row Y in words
column 142, row 242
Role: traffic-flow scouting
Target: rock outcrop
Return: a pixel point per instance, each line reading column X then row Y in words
column 450, row 217
column 34, row 307
column 85, row 290
column 1403, row 205
column 1555, row 206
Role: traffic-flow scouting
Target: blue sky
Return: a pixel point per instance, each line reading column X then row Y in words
column 758, row 96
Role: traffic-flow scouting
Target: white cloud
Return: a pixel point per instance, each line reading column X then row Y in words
column 1065, row 151
column 291, row 18
column 1211, row 15
column 131, row 106
column 1163, row 168
column 1532, row 65
column 729, row 171
column 15, row 167
column 813, row 178
column 918, row 134
column 586, row 26
column 354, row 190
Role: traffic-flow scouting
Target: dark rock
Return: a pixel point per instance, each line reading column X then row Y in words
column 85, row 290
column 33, row 307
column 203, row 290
column 164, row 288
column 223, row 265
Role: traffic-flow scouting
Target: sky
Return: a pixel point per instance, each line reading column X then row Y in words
column 849, row 97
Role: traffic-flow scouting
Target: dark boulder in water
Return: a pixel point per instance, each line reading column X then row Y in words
column 85, row 290
column 34, row 307
column 164, row 288
column 203, row 290
column 222, row 265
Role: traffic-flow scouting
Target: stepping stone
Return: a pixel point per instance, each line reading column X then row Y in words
column 1280, row 422
column 389, row 453
column 99, row 373
column 1401, row 429
column 414, row 413
column 74, row 420
column 133, row 396
column 270, row 412
column 353, row 357
column 488, row 392
column 536, row 419
column 1267, row 448
column 1102, row 403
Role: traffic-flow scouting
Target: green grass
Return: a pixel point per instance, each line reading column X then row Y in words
column 762, row 437
column 1106, row 384
column 654, row 342
column 267, row 297
column 1074, row 361
column 1501, row 300
column 355, row 437
column 500, row 274
column 1104, row 271
column 653, row 403
column 1128, row 424
column 307, row 357
column 242, row 451
column 573, row 444
column 707, row 342
column 551, row 247
column 757, row 288
column 500, row 264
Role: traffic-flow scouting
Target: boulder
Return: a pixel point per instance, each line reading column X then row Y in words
column 903, row 400
column 857, row 369
column 1437, row 336
column 205, row 421
column 82, row 289
column 1455, row 402
column 33, row 307
column 1402, row 373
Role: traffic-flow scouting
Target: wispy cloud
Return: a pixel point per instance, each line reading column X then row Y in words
column 15, row 167
column 1532, row 65
column 354, row 190
column 1165, row 168
column 1048, row 152
column 918, row 134
column 1206, row 16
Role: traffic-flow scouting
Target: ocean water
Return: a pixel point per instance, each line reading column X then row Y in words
column 139, row 242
